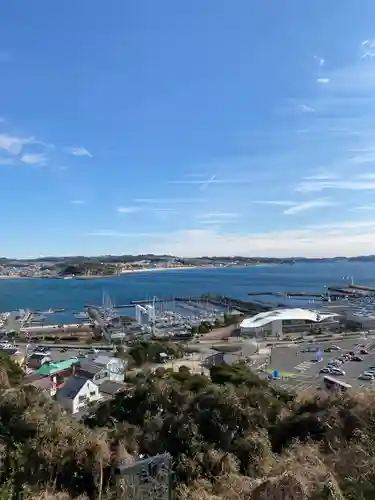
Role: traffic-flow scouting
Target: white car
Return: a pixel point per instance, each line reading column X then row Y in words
column 366, row 376
column 336, row 348
column 327, row 369
column 337, row 371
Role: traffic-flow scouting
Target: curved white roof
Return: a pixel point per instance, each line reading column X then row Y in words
column 265, row 318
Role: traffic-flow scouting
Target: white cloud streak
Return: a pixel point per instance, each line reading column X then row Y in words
column 308, row 205
column 213, row 180
column 217, row 218
column 320, row 61
column 350, row 185
column 120, row 234
column 168, row 201
column 322, row 80
column 281, row 203
column 368, row 49
column 128, row 210
column 14, row 144
column 307, row 109
column 34, row 159
column 78, row 151
column 78, row 202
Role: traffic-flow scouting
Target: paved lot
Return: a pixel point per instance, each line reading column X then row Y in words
column 57, row 355
column 306, row 370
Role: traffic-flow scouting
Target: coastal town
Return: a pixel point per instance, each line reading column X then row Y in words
column 89, row 361
column 109, row 266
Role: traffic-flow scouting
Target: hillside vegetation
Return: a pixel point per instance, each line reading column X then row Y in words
column 232, row 436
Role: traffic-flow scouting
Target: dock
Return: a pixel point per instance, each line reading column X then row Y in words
column 363, row 288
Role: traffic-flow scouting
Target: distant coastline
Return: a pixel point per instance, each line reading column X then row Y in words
column 136, row 271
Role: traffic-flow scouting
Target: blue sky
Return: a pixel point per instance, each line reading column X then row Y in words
column 205, row 127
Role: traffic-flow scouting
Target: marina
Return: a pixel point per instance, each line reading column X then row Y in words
column 177, row 303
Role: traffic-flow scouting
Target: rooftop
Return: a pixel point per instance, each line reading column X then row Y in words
column 51, row 368
column 263, row 319
column 72, row 387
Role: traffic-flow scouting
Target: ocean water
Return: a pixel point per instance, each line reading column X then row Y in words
column 72, row 295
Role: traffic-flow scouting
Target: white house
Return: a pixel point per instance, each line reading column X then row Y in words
column 115, row 367
column 77, row 393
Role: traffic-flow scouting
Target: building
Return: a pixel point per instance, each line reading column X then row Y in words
column 109, row 390
column 115, row 367
column 62, row 367
column 48, row 384
column 278, row 321
column 89, row 370
column 36, row 360
column 77, row 393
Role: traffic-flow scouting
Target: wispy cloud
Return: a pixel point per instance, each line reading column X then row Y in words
column 169, row 201
column 307, row 109
column 217, row 218
column 120, row 234
column 14, row 144
column 128, row 210
column 366, row 155
column 322, row 80
column 350, row 185
column 78, row 202
column 308, row 205
column 205, row 184
column 322, row 176
column 343, row 238
column 34, row 159
column 371, row 206
column 78, row 151
column 368, row 49
column 212, row 180
column 281, row 203
column 320, row 61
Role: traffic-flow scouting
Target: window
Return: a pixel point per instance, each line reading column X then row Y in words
column 81, row 399
column 92, row 393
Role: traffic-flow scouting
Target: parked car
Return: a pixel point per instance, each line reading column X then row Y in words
column 336, row 348
column 369, row 373
column 337, row 371
column 326, row 369
column 356, row 358
column 366, row 376
column 363, row 351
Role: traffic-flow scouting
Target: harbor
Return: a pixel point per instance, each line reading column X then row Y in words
column 168, row 305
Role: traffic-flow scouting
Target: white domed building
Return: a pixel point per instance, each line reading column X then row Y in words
column 273, row 322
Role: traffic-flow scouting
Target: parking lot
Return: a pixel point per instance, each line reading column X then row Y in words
column 300, row 369
column 61, row 354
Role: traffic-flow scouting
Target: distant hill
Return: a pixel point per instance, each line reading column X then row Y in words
column 113, row 259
